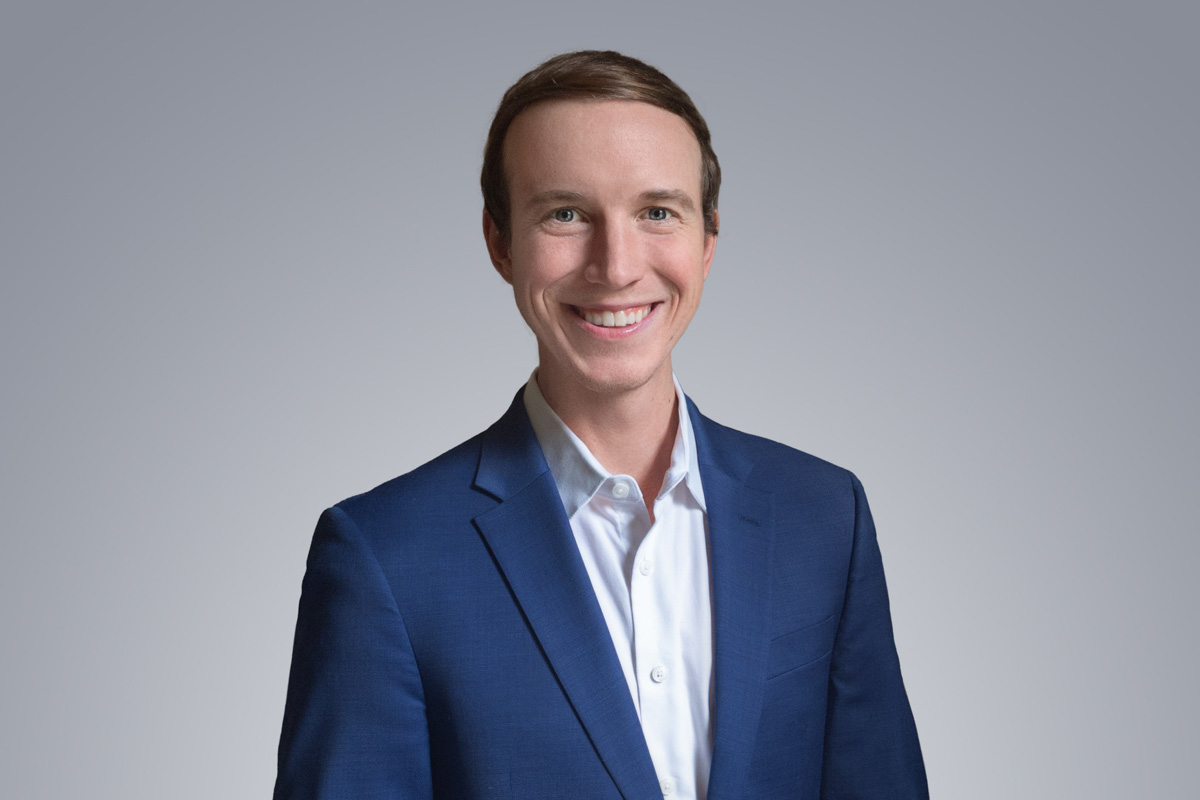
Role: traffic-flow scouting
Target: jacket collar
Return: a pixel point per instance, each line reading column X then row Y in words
column 531, row 540
column 741, row 529
column 530, row 537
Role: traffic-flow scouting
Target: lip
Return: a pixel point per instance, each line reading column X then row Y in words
column 602, row 332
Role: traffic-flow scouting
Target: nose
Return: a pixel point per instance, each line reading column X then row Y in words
column 615, row 259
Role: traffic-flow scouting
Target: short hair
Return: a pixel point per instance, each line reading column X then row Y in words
column 593, row 75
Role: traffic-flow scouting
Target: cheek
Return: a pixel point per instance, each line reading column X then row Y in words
column 683, row 266
column 552, row 265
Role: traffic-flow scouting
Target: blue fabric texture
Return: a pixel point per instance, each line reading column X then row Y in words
column 449, row 644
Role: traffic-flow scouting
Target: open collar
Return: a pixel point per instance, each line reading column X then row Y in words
column 578, row 474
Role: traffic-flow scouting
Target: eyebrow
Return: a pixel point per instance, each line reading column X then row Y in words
column 681, row 198
column 554, row 196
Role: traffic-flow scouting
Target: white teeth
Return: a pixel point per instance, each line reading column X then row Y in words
column 616, row 319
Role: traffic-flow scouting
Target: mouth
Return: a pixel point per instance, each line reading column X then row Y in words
column 614, row 318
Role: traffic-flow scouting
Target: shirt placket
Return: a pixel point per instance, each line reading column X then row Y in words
column 656, row 660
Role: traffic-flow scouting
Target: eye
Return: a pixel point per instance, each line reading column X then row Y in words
column 565, row 215
column 658, row 214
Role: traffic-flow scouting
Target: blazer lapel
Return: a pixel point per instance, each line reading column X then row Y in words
column 741, row 538
column 530, row 538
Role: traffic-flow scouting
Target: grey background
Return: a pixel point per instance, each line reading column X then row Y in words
column 243, row 278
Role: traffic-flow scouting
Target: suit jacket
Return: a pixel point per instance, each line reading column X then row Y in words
column 449, row 643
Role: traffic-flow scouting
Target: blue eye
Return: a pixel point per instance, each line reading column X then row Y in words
column 658, row 214
column 564, row 215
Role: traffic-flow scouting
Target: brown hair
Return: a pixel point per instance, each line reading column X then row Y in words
column 596, row 75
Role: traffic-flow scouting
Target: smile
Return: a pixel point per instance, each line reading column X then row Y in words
column 614, row 319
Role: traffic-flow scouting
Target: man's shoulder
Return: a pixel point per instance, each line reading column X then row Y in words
column 766, row 462
column 439, row 483
column 807, row 493
column 445, row 488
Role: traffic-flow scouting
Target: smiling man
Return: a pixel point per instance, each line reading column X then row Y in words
column 605, row 594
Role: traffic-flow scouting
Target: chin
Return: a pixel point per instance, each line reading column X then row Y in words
column 616, row 379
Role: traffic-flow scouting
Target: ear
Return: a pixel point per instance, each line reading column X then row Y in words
column 710, row 243
column 498, row 247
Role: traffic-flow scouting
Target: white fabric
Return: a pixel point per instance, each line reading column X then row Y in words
column 652, row 583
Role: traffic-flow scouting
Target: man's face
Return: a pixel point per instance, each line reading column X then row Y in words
column 607, row 253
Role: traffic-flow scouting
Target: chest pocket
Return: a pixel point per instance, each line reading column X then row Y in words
column 801, row 647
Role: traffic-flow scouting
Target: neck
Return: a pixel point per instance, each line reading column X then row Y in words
column 630, row 432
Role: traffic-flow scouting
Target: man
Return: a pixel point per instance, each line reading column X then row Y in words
column 605, row 594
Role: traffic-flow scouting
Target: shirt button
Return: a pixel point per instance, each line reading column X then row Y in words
column 646, row 567
column 658, row 674
column 667, row 786
column 620, row 490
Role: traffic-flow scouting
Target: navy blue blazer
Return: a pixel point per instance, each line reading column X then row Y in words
column 449, row 644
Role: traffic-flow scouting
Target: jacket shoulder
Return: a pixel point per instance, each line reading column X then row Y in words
column 773, row 465
column 437, row 489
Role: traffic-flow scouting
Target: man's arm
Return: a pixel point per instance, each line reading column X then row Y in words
column 354, row 725
column 871, row 747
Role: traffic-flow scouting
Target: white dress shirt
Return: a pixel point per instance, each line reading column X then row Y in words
column 652, row 583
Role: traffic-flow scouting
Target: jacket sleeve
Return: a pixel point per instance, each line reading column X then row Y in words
column 871, row 746
column 354, row 725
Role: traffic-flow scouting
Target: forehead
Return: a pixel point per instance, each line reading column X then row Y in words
column 600, row 143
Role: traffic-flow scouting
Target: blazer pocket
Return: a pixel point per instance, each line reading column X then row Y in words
column 801, row 647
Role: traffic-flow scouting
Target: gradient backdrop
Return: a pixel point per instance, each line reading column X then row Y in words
column 243, row 278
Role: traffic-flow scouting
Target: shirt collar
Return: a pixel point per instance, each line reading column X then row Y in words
column 576, row 471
